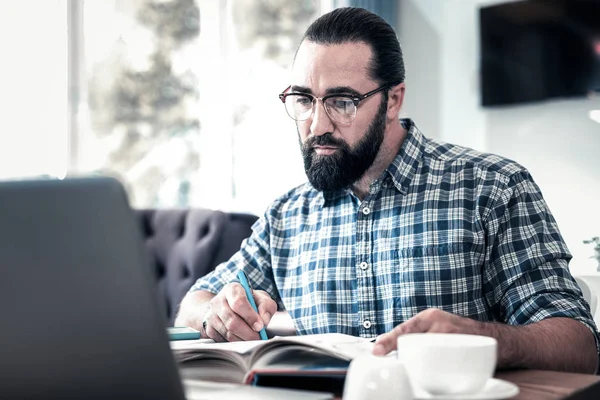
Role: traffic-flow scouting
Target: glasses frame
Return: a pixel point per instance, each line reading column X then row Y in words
column 356, row 99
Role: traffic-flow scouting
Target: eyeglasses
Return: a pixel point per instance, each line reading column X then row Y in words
column 341, row 108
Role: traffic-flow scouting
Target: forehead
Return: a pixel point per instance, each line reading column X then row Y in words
column 320, row 66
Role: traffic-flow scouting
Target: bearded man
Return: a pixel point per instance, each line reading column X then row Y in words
column 394, row 232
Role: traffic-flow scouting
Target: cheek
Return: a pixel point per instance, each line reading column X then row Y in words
column 355, row 132
column 352, row 135
column 303, row 129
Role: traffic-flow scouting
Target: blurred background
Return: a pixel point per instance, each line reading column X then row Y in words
column 178, row 98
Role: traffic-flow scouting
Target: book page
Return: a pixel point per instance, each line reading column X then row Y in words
column 206, row 353
column 243, row 355
column 337, row 345
column 298, row 357
column 211, row 369
column 211, row 345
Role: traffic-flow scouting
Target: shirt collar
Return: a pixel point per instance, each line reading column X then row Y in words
column 409, row 158
column 330, row 196
column 402, row 168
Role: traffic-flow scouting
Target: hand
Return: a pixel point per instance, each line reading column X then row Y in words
column 430, row 320
column 230, row 317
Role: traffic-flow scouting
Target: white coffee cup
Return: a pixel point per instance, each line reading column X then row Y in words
column 446, row 363
column 381, row 378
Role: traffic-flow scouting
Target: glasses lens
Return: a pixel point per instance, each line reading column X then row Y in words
column 341, row 109
column 299, row 106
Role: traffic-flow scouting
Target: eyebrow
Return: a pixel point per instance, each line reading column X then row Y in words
column 333, row 90
column 300, row 89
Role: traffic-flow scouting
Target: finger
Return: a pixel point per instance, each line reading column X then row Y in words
column 232, row 337
column 235, row 325
column 239, row 304
column 386, row 342
column 235, row 328
column 215, row 329
column 221, row 329
column 417, row 324
column 218, row 328
column 266, row 305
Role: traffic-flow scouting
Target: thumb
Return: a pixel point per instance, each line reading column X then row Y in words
column 385, row 343
column 265, row 304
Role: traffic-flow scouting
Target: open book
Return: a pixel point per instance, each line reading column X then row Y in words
column 281, row 361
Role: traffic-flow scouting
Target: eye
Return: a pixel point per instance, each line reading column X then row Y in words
column 302, row 100
column 340, row 103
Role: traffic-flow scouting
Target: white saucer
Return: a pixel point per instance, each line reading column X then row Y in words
column 494, row 389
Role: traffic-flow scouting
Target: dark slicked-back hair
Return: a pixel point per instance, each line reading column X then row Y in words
column 352, row 25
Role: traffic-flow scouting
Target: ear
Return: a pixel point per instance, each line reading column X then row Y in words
column 395, row 101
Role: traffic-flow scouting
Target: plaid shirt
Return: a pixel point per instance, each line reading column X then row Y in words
column 444, row 227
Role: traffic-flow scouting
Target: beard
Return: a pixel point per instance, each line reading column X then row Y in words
column 346, row 165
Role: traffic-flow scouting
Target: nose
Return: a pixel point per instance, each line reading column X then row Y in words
column 320, row 123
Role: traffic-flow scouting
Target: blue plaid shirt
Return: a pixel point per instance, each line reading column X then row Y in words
column 444, row 227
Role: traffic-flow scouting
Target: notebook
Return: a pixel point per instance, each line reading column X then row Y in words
column 79, row 304
column 311, row 362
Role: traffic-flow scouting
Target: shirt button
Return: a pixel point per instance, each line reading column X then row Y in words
column 366, row 210
column 366, row 324
column 364, row 265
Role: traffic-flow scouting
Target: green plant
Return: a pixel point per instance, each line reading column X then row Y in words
column 596, row 242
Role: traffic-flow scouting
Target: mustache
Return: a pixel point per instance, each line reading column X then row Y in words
column 323, row 140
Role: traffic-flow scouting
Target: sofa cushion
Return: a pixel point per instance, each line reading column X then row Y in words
column 186, row 244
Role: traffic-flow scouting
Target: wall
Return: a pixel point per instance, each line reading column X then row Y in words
column 555, row 140
column 420, row 38
column 559, row 144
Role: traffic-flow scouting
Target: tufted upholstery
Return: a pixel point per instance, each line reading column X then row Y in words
column 186, row 244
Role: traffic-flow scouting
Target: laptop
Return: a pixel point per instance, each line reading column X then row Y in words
column 80, row 309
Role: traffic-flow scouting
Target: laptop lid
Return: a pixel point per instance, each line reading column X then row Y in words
column 81, row 318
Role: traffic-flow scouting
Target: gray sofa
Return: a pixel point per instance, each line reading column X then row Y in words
column 184, row 245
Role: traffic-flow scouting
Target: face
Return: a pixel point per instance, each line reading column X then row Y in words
column 332, row 164
column 335, row 156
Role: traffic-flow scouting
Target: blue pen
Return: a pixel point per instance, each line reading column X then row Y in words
column 246, row 284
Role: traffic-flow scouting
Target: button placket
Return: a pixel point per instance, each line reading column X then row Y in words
column 364, row 259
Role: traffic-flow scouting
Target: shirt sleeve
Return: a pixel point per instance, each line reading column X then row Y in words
column 527, row 278
column 254, row 257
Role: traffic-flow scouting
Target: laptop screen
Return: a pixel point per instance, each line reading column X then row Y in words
column 78, row 301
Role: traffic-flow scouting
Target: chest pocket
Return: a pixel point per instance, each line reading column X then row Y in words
column 446, row 276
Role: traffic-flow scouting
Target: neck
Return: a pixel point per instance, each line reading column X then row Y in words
column 392, row 141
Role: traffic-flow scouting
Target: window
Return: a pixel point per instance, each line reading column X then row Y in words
column 180, row 99
column 33, row 78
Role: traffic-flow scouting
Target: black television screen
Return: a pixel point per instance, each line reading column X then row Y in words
column 539, row 49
